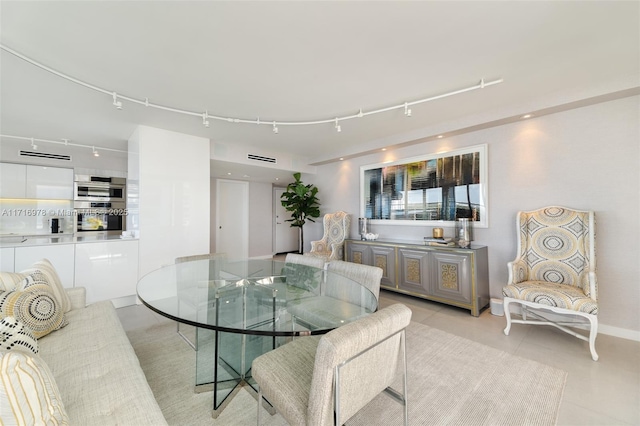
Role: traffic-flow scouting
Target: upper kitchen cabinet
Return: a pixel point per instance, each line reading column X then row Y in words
column 37, row 182
column 13, row 180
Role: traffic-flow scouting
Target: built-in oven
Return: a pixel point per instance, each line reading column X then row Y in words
column 100, row 205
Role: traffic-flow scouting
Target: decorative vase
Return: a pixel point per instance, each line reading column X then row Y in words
column 463, row 232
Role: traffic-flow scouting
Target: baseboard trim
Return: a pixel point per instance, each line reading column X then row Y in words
column 623, row 333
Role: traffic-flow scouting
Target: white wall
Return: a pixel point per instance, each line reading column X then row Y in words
column 173, row 180
column 586, row 158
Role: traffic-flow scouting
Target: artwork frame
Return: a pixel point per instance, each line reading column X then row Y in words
column 431, row 190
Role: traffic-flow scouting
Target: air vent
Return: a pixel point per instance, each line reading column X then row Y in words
column 261, row 158
column 45, row 155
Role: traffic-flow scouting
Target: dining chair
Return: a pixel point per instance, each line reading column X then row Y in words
column 192, row 258
column 326, row 380
column 553, row 277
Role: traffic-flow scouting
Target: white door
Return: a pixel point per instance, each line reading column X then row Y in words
column 286, row 237
column 232, row 213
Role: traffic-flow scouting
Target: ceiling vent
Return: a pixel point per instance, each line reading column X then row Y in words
column 261, row 158
column 45, row 155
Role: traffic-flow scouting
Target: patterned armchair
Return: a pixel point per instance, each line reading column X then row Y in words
column 336, row 229
column 555, row 270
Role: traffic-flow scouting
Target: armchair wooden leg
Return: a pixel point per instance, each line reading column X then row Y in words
column 507, row 314
column 593, row 332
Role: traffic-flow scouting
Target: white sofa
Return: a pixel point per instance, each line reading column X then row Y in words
column 85, row 370
column 95, row 368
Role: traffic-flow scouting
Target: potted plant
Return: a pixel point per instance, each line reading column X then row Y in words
column 301, row 201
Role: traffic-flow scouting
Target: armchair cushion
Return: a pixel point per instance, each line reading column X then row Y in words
column 551, row 294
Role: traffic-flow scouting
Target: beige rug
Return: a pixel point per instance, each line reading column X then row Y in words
column 452, row 380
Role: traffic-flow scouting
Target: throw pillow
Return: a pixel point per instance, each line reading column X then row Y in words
column 10, row 280
column 37, row 309
column 43, row 270
column 28, row 393
column 15, row 335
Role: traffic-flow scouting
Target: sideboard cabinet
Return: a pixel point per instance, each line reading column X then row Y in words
column 452, row 275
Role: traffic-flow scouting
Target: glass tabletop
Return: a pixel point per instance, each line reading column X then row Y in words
column 258, row 296
column 242, row 309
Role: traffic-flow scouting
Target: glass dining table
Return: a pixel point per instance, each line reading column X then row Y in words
column 243, row 309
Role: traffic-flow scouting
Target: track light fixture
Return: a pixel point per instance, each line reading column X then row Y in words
column 33, row 144
column 117, row 100
column 205, row 121
column 95, row 153
column 407, row 110
column 338, row 128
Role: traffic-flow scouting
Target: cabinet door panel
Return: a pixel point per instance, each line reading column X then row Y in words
column 359, row 253
column 385, row 259
column 107, row 270
column 60, row 255
column 13, row 178
column 49, row 183
column 414, row 271
column 451, row 276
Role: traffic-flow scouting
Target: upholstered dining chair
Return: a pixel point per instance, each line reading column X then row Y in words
column 555, row 271
column 322, row 310
column 325, row 380
column 191, row 258
column 336, row 230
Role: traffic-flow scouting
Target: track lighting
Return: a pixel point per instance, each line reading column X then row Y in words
column 407, row 110
column 116, row 102
column 338, row 128
column 359, row 114
column 64, row 142
column 205, row 122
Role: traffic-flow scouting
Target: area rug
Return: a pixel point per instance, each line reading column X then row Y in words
column 452, row 381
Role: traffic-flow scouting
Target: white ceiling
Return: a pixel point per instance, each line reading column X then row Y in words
column 291, row 61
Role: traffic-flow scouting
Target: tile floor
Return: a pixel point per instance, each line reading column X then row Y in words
column 606, row 392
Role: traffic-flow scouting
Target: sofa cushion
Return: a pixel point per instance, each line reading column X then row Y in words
column 15, row 335
column 97, row 370
column 28, row 391
column 37, row 309
column 43, row 270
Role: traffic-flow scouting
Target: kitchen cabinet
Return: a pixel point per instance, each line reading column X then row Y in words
column 35, row 182
column 451, row 275
column 13, row 180
column 60, row 255
column 7, row 259
column 108, row 270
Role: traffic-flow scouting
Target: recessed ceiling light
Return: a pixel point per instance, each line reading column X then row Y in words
column 527, row 116
column 277, row 178
column 384, row 149
column 229, row 173
column 440, row 136
column 341, row 158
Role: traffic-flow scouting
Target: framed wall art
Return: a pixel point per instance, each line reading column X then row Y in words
column 434, row 189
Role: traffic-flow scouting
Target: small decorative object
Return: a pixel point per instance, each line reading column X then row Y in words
column 371, row 237
column 463, row 232
column 438, row 232
column 363, row 227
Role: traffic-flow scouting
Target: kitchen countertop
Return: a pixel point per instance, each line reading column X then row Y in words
column 16, row 240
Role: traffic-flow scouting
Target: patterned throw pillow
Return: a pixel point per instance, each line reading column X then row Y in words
column 43, row 270
column 28, row 392
column 10, row 280
column 15, row 335
column 37, row 309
